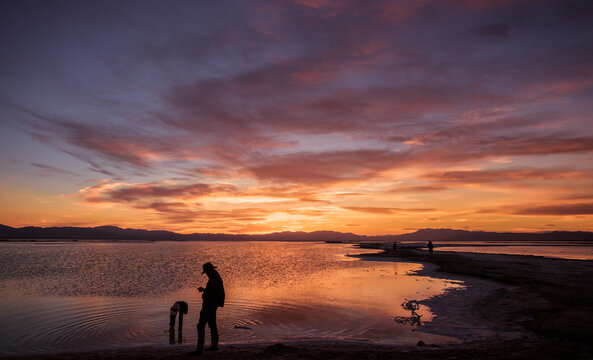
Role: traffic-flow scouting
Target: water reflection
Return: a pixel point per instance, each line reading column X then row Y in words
column 562, row 251
column 82, row 297
column 414, row 318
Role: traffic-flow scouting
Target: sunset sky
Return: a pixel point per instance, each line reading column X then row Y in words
column 371, row 117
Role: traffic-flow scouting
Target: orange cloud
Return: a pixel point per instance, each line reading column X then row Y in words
column 505, row 175
column 384, row 210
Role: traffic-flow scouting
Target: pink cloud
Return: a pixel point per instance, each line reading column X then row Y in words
column 323, row 167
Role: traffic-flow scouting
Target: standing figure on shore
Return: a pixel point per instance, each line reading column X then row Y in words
column 430, row 247
column 212, row 299
column 394, row 245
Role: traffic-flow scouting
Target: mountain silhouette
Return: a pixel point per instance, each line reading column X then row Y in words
column 422, row 235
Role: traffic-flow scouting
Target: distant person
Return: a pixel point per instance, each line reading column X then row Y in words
column 430, row 247
column 394, row 245
column 212, row 299
column 181, row 308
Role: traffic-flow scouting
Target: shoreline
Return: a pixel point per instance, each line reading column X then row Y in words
column 455, row 311
column 539, row 308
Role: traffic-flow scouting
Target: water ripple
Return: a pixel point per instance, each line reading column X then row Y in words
column 81, row 297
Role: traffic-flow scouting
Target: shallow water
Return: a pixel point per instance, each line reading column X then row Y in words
column 87, row 296
column 561, row 251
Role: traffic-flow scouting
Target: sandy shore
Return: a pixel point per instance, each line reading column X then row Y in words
column 516, row 307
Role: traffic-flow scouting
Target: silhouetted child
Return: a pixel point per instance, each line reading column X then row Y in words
column 181, row 308
column 430, row 247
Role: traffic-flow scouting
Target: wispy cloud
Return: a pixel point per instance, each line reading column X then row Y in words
column 384, row 210
column 48, row 169
column 107, row 192
column 505, row 175
column 557, row 209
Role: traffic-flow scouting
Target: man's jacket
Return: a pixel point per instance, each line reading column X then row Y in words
column 214, row 293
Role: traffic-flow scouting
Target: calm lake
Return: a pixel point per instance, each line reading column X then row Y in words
column 561, row 250
column 82, row 296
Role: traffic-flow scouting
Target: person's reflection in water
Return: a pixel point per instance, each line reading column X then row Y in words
column 181, row 308
column 212, row 298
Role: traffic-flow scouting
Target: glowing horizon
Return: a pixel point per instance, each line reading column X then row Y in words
column 365, row 117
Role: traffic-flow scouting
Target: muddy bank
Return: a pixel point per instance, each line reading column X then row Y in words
column 550, row 298
column 492, row 349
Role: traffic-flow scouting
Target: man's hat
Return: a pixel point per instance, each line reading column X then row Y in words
column 207, row 265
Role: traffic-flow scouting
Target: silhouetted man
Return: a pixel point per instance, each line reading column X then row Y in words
column 430, row 247
column 212, row 298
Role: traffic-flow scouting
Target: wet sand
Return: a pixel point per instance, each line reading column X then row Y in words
column 529, row 308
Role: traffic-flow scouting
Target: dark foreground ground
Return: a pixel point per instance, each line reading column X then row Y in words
column 551, row 299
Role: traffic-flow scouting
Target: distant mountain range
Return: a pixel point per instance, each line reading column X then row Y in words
column 422, row 235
